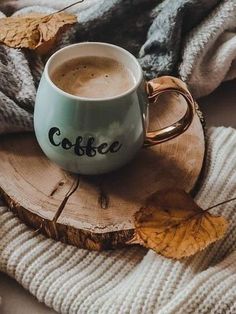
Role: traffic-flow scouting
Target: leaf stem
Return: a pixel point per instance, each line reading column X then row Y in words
column 221, row 203
column 63, row 9
column 69, row 6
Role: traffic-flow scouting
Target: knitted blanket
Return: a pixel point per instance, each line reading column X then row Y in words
column 192, row 39
column 133, row 280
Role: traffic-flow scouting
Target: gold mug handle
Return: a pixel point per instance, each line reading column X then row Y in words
column 155, row 88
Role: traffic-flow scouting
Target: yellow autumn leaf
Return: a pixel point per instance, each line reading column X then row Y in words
column 34, row 31
column 173, row 225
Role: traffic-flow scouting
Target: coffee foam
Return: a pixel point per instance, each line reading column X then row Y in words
column 93, row 77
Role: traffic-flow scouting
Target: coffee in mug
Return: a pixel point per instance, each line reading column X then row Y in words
column 90, row 123
column 93, row 77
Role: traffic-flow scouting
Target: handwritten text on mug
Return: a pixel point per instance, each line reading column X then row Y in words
column 88, row 149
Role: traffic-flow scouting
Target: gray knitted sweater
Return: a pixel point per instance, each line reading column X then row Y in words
column 193, row 39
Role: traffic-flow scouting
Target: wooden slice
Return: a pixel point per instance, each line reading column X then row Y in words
column 96, row 212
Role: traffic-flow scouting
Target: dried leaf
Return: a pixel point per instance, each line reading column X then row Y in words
column 173, row 225
column 34, row 31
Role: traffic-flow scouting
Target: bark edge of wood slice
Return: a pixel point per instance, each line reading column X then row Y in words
column 97, row 212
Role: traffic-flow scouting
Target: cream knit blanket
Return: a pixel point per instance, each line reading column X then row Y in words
column 133, row 280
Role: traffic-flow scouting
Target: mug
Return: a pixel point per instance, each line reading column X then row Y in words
column 95, row 136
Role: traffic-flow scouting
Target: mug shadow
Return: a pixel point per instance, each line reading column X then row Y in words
column 151, row 170
column 24, row 144
column 158, row 167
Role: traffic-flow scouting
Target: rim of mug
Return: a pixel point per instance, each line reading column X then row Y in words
column 129, row 91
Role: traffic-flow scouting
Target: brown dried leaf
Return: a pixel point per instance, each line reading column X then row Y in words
column 34, row 31
column 173, row 225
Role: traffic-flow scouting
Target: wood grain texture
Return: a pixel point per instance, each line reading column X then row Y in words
column 97, row 212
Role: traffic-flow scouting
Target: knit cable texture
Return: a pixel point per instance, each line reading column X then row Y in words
column 209, row 51
column 133, row 280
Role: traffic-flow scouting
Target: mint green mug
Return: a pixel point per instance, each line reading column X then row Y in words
column 95, row 136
